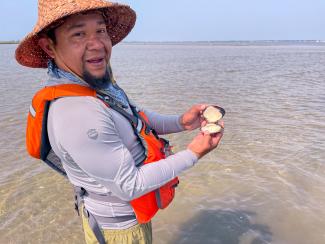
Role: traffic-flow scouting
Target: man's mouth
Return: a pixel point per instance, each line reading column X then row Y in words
column 95, row 61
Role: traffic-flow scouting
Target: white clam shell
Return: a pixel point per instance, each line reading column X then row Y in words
column 211, row 128
column 212, row 114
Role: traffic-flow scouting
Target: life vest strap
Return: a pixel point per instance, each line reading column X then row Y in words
column 46, row 146
column 95, row 227
column 112, row 103
column 80, row 193
column 53, row 161
column 109, row 99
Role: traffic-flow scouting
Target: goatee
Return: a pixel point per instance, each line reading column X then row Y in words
column 97, row 82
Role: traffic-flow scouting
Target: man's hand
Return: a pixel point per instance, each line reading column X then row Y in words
column 203, row 143
column 192, row 118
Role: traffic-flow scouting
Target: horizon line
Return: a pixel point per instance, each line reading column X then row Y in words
column 202, row 41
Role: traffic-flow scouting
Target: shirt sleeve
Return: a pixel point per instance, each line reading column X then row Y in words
column 94, row 143
column 164, row 124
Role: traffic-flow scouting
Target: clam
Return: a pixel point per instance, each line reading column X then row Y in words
column 211, row 128
column 213, row 113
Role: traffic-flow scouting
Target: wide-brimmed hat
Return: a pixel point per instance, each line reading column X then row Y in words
column 120, row 20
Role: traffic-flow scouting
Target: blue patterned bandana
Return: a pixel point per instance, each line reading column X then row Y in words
column 113, row 90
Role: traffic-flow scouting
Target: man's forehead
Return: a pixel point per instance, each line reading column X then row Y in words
column 79, row 18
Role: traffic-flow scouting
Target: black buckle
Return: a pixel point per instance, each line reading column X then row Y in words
column 76, row 207
column 82, row 192
column 147, row 130
column 79, row 193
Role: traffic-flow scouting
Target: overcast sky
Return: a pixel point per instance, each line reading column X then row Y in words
column 199, row 20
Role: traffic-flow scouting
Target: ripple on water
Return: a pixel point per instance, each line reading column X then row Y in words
column 264, row 184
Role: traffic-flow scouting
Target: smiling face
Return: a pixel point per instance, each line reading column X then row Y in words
column 82, row 46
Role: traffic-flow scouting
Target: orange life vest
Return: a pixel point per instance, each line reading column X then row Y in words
column 38, row 146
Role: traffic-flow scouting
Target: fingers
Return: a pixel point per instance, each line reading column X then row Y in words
column 204, row 142
column 203, row 122
column 207, row 139
column 203, row 106
column 211, row 141
column 221, row 123
column 215, row 140
column 199, row 108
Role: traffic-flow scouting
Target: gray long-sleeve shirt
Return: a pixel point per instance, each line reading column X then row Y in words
column 99, row 151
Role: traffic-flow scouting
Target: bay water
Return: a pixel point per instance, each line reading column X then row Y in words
column 265, row 183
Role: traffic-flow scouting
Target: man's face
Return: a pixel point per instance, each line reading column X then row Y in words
column 82, row 44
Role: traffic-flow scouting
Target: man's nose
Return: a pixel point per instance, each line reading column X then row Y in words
column 94, row 42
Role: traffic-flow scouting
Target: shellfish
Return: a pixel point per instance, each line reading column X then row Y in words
column 211, row 128
column 212, row 114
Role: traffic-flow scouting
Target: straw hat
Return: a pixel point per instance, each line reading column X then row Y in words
column 120, row 21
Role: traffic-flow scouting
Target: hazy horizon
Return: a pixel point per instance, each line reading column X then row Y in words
column 180, row 21
column 203, row 41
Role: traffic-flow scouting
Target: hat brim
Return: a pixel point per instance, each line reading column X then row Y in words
column 120, row 20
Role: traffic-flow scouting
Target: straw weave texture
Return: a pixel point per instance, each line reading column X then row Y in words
column 120, row 21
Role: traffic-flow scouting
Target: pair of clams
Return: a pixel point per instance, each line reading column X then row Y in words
column 212, row 114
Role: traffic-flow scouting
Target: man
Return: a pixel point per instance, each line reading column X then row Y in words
column 106, row 144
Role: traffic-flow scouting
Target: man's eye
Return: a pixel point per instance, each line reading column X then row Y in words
column 78, row 34
column 102, row 30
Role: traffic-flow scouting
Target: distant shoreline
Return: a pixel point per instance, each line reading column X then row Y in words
column 9, row 42
column 234, row 43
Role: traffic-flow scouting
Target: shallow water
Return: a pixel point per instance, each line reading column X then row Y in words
column 264, row 184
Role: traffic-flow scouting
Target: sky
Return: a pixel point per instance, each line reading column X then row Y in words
column 199, row 20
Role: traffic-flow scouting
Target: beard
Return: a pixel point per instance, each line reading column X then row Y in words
column 97, row 83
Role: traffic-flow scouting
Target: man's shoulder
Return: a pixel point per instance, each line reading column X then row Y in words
column 79, row 107
column 73, row 102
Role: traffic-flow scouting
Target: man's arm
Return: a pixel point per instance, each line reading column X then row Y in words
column 87, row 130
column 164, row 124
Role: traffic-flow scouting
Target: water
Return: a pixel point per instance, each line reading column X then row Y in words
column 264, row 184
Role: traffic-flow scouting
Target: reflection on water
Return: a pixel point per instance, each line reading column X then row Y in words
column 264, row 184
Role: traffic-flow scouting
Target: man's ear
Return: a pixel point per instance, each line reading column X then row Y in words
column 47, row 45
